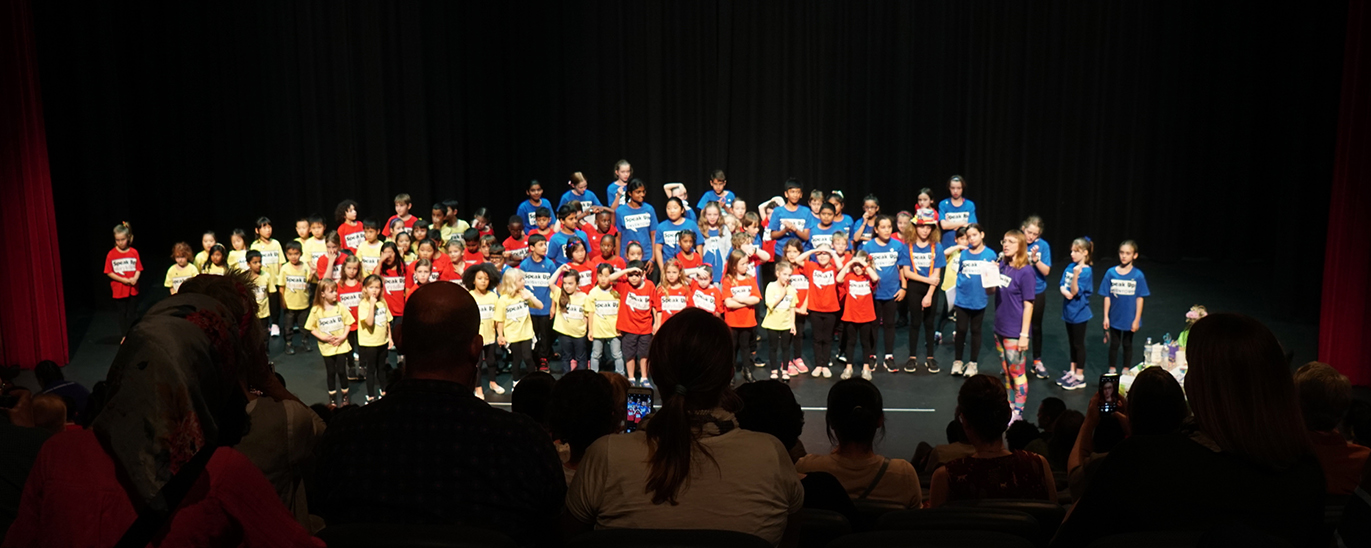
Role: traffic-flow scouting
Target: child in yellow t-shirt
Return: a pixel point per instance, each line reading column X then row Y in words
column 329, row 322
column 513, row 327
column 294, row 288
column 602, row 319
column 207, row 242
column 481, row 280
column 182, row 270
column 238, row 256
column 216, row 263
column 262, row 287
column 373, row 334
column 272, row 257
column 569, row 318
column 781, row 304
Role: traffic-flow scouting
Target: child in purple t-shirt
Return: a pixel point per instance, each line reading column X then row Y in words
column 1013, row 316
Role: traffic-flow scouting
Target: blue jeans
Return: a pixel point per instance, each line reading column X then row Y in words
column 597, row 349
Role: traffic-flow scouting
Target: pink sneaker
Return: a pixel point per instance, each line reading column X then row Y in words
column 571, row 365
column 790, row 370
column 800, row 366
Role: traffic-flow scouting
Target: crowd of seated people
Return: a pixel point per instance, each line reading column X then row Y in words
column 194, row 442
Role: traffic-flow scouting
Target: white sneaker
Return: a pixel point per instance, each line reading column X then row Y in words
column 481, row 394
column 497, row 389
column 515, row 384
column 775, row 375
column 275, row 330
column 817, row 371
column 847, row 373
column 957, row 368
column 970, row 370
column 827, row 374
column 785, row 376
column 866, row 373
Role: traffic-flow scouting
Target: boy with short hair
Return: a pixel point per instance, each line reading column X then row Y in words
column 472, row 256
column 369, row 251
column 636, row 317
column 496, row 257
column 717, row 192
column 295, row 295
column 538, row 270
column 570, row 216
column 542, row 219
column 402, row 207
column 314, row 246
column 516, row 245
column 263, row 284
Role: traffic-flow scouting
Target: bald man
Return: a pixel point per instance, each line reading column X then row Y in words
column 430, row 451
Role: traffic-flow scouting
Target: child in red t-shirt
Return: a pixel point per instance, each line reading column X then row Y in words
column 689, row 258
column 796, row 256
column 741, row 296
column 472, row 256
column 673, row 295
column 856, row 283
column 392, row 271
column 576, row 255
column 823, row 303
column 705, row 295
column 124, row 267
column 603, row 226
column 350, row 231
column 636, row 317
column 516, row 245
column 609, row 253
column 403, row 205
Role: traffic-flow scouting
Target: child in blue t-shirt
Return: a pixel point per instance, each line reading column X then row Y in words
column 664, row 246
column 1040, row 259
column 637, row 222
column 717, row 192
column 529, row 208
column 955, row 212
column 1076, row 285
column 1124, row 288
column 970, row 299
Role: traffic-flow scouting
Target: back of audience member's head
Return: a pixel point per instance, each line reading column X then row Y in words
column 49, row 412
column 620, row 385
column 581, row 410
column 20, row 413
column 48, row 373
column 955, row 432
column 1108, row 433
column 856, row 413
column 1156, row 403
column 1241, row 391
column 983, row 407
column 532, row 395
column 1064, row 433
column 439, row 336
column 1048, row 411
column 694, row 373
column 1325, row 396
column 1020, row 434
column 770, row 407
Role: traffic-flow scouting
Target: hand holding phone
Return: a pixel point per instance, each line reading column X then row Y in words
column 1109, row 393
column 639, row 406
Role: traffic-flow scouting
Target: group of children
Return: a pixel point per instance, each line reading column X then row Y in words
column 602, row 276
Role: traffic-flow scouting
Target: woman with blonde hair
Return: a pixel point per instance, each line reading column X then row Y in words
column 1013, row 316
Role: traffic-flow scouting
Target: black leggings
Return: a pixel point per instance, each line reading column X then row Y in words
column 488, row 360
column 744, row 339
column 778, row 345
column 126, row 309
column 866, row 331
column 1075, row 334
column 885, row 315
column 294, row 318
column 374, row 363
column 797, row 340
column 335, row 371
column 1036, row 325
column 521, row 351
column 542, row 329
column 927, row 318
column 1116, row 338
column 353, row 369
column 969, row 320
column 274, row 307
column 823, row 336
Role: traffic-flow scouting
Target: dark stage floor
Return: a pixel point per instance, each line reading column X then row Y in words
column 918, row 405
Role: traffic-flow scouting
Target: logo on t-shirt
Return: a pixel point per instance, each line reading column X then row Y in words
column 586, row 205
column 638, row 302
column 331, row 324
column 516, row 311
column 575, row 312
column 350, row 300
column 823, row 278
column 296, row 283
column 395, row 284
column 740, row 291
column 859, row 288
column 972, row 267
column 270, row 257
column 369, row 263
column 260, row 292
column 537, row 279
column 1004, row 280
column 379, row 318
column 673, row 303
column 669, row 237
column 921, row 260
column 517, row 255
column 354, row 239
column 314, row 256
column 714, row 244
column 176, row 282
column 533, row 218
column 123, row 266
column 607, row 308
column 704, row 300
column 794, row 224
column 884, row 259
column 1123, row 288
column 957, row 216
column 487, row 311
column 637, row 221
column 799, row 282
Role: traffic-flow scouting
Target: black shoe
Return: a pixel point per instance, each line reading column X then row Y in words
column 901, row 323
column 932, row 365
column 890, row 364
column 841, row 358
column 747, row 375
column 309, row 348
column 290, row 350
column 911, row 366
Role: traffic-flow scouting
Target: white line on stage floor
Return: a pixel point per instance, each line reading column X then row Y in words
column 887, row 410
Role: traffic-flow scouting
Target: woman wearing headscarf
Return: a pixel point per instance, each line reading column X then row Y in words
column 157, row 464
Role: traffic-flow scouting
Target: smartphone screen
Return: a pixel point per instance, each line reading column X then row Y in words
column 1109, row 393
column 639, row 406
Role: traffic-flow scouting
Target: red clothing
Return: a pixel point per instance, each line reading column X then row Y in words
column 393, row 290
column 472, row 258
column 857, row 290
column 517, row 250
column 709, row 299
column 635, row 307
column 586, row 271
column 595, row 235
column 823, row 288
column 350, row 235
column 551, row 229
column 617, row 261
column 409, row 225
column 800, row 281
column 690, row 264
column 231, row 504
column 442, row 269
column 733, row 287
column 1343, row 462
column 485, row 231
column 321, row 269
column 124, row 264
column 671, row 300
column 350, row 297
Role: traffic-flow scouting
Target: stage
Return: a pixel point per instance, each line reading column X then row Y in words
column 919, row 405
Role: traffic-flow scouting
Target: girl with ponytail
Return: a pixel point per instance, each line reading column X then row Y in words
column 701, row 468
column 855, row 416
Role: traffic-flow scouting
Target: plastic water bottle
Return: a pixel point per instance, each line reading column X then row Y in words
column 1149, row 341
column 1166, row 339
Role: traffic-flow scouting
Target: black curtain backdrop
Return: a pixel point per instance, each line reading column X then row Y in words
column 1200, row 129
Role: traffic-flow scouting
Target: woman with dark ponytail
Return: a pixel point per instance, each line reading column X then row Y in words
column 855, row 416
column 701, row 468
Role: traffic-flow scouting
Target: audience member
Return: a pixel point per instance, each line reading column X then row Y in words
column 50, row 413
column 620, row 385
column 992, row 472
column 769, row 406
column 856, row 414
column 430, row 451
column 1325, row 396
column 1048, row 411
column 1243, row 461
column 691, row 465
column 1156, row 405
column 581, row 409
column 281, row 443
column 175, row 409
column 956, row 447
column 1065, row 431
column 19, row 445
column 53, row 382
column 1020, row 434
column 531, row 397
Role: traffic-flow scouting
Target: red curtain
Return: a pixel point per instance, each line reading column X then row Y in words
column 33, row 324
column 1345, row 322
